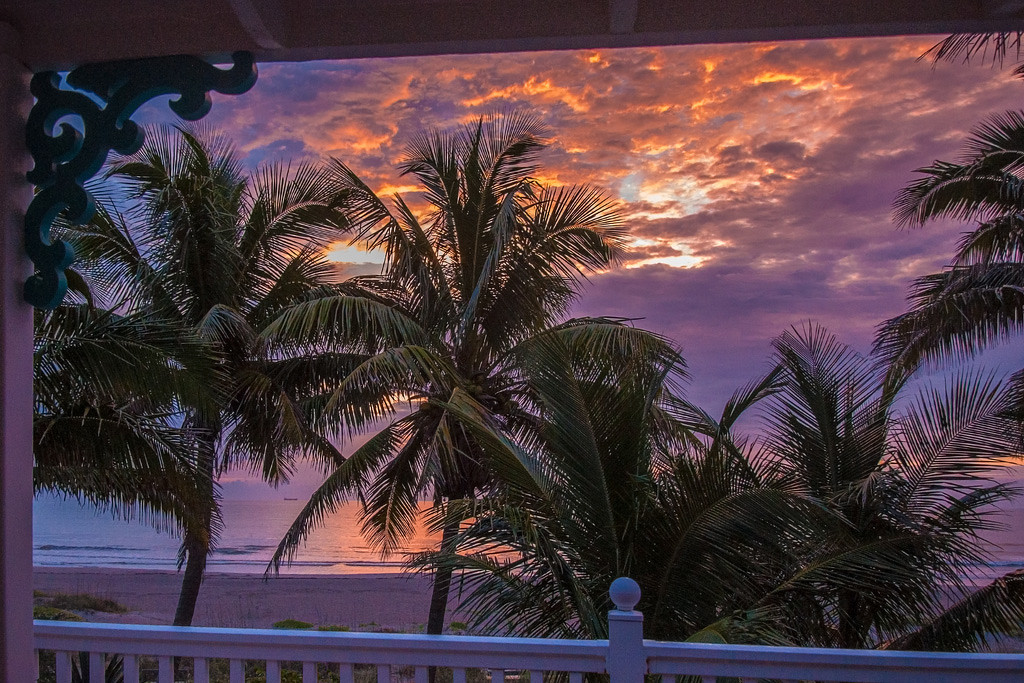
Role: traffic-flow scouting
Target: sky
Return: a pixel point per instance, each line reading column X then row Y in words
column 756, row 180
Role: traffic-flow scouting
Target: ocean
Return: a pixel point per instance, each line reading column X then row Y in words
column 70, row 534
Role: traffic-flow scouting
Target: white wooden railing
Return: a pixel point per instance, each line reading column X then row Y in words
column 625, row 656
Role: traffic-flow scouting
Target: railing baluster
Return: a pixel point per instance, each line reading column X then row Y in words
column 201, row 670
column 536, row 677
column 308, row 672
column 458, row 675
column 708, row 679
column 165, row 669
column 345, row 673
column 422, row 674
column 36, row 667
column 131, row 669
column 96, row 672
column 63, row 667
column 575, row 677
column 383, row 673
column 273, row 671
column 236, row 670
column 498, row 676
column 668, row 678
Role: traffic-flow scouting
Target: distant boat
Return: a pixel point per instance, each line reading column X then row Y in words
column 291, row 498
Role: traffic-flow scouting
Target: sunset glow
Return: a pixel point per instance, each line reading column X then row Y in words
column 756, row 180
column 340, row 252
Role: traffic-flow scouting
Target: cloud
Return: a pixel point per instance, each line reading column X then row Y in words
column 764, row 173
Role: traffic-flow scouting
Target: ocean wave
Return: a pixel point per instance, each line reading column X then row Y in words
column 263, row 563
column 148, row 563
column 111, row 548
column 241, row 549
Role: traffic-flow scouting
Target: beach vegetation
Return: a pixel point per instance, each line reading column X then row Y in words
column 85, row 602
column 292, row 624
column 491, row 260
column 50, row 613
column 113, row 669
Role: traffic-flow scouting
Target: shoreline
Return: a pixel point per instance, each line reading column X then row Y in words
column 360, row 602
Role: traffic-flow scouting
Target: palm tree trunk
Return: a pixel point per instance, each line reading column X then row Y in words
column 439, row 591
column 851, row 627
column 442, row 583
column 191, row 582
column 199, row 531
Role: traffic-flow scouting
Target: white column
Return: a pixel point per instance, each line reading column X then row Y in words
column 627, row 661
column 16, row 652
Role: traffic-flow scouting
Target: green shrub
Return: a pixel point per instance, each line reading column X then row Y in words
column 85, row 602
column 54, row 614
column 333, row 628
column 292, row 624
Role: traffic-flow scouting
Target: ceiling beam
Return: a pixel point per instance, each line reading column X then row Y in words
column 64, row 33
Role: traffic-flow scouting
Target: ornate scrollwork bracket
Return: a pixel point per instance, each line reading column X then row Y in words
column 65, row 157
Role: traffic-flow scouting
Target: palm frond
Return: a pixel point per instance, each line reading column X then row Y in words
column 985, row 617
column 346, row 480
column 953, row 315
column 994, row 47
column 982, row 186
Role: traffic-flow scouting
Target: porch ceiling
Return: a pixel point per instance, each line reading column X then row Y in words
column 60, row 33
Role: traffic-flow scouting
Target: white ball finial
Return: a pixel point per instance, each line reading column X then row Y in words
column 625, row 593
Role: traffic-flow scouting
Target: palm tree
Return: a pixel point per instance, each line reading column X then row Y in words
column 622, row 478
column 105, row 395
column 977, row 300
column 908, row 489
column 492, row 259
column 217, row 255
column 846, row 524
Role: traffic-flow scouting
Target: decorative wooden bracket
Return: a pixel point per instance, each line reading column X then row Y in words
column 104, row 98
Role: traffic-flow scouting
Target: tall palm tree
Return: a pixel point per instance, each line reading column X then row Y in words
column 622, row 478
column 979, row 298
column 490, row 260
column 217, row 255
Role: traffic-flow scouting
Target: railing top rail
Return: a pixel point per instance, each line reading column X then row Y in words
column 324, row 646
column 825, row 664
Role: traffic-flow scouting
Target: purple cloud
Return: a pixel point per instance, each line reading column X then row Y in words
column 768, row 169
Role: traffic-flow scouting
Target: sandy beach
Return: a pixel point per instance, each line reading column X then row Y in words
column 361, row 602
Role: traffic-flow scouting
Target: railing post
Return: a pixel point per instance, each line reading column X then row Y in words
column 627, row 661
column 15, row 370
